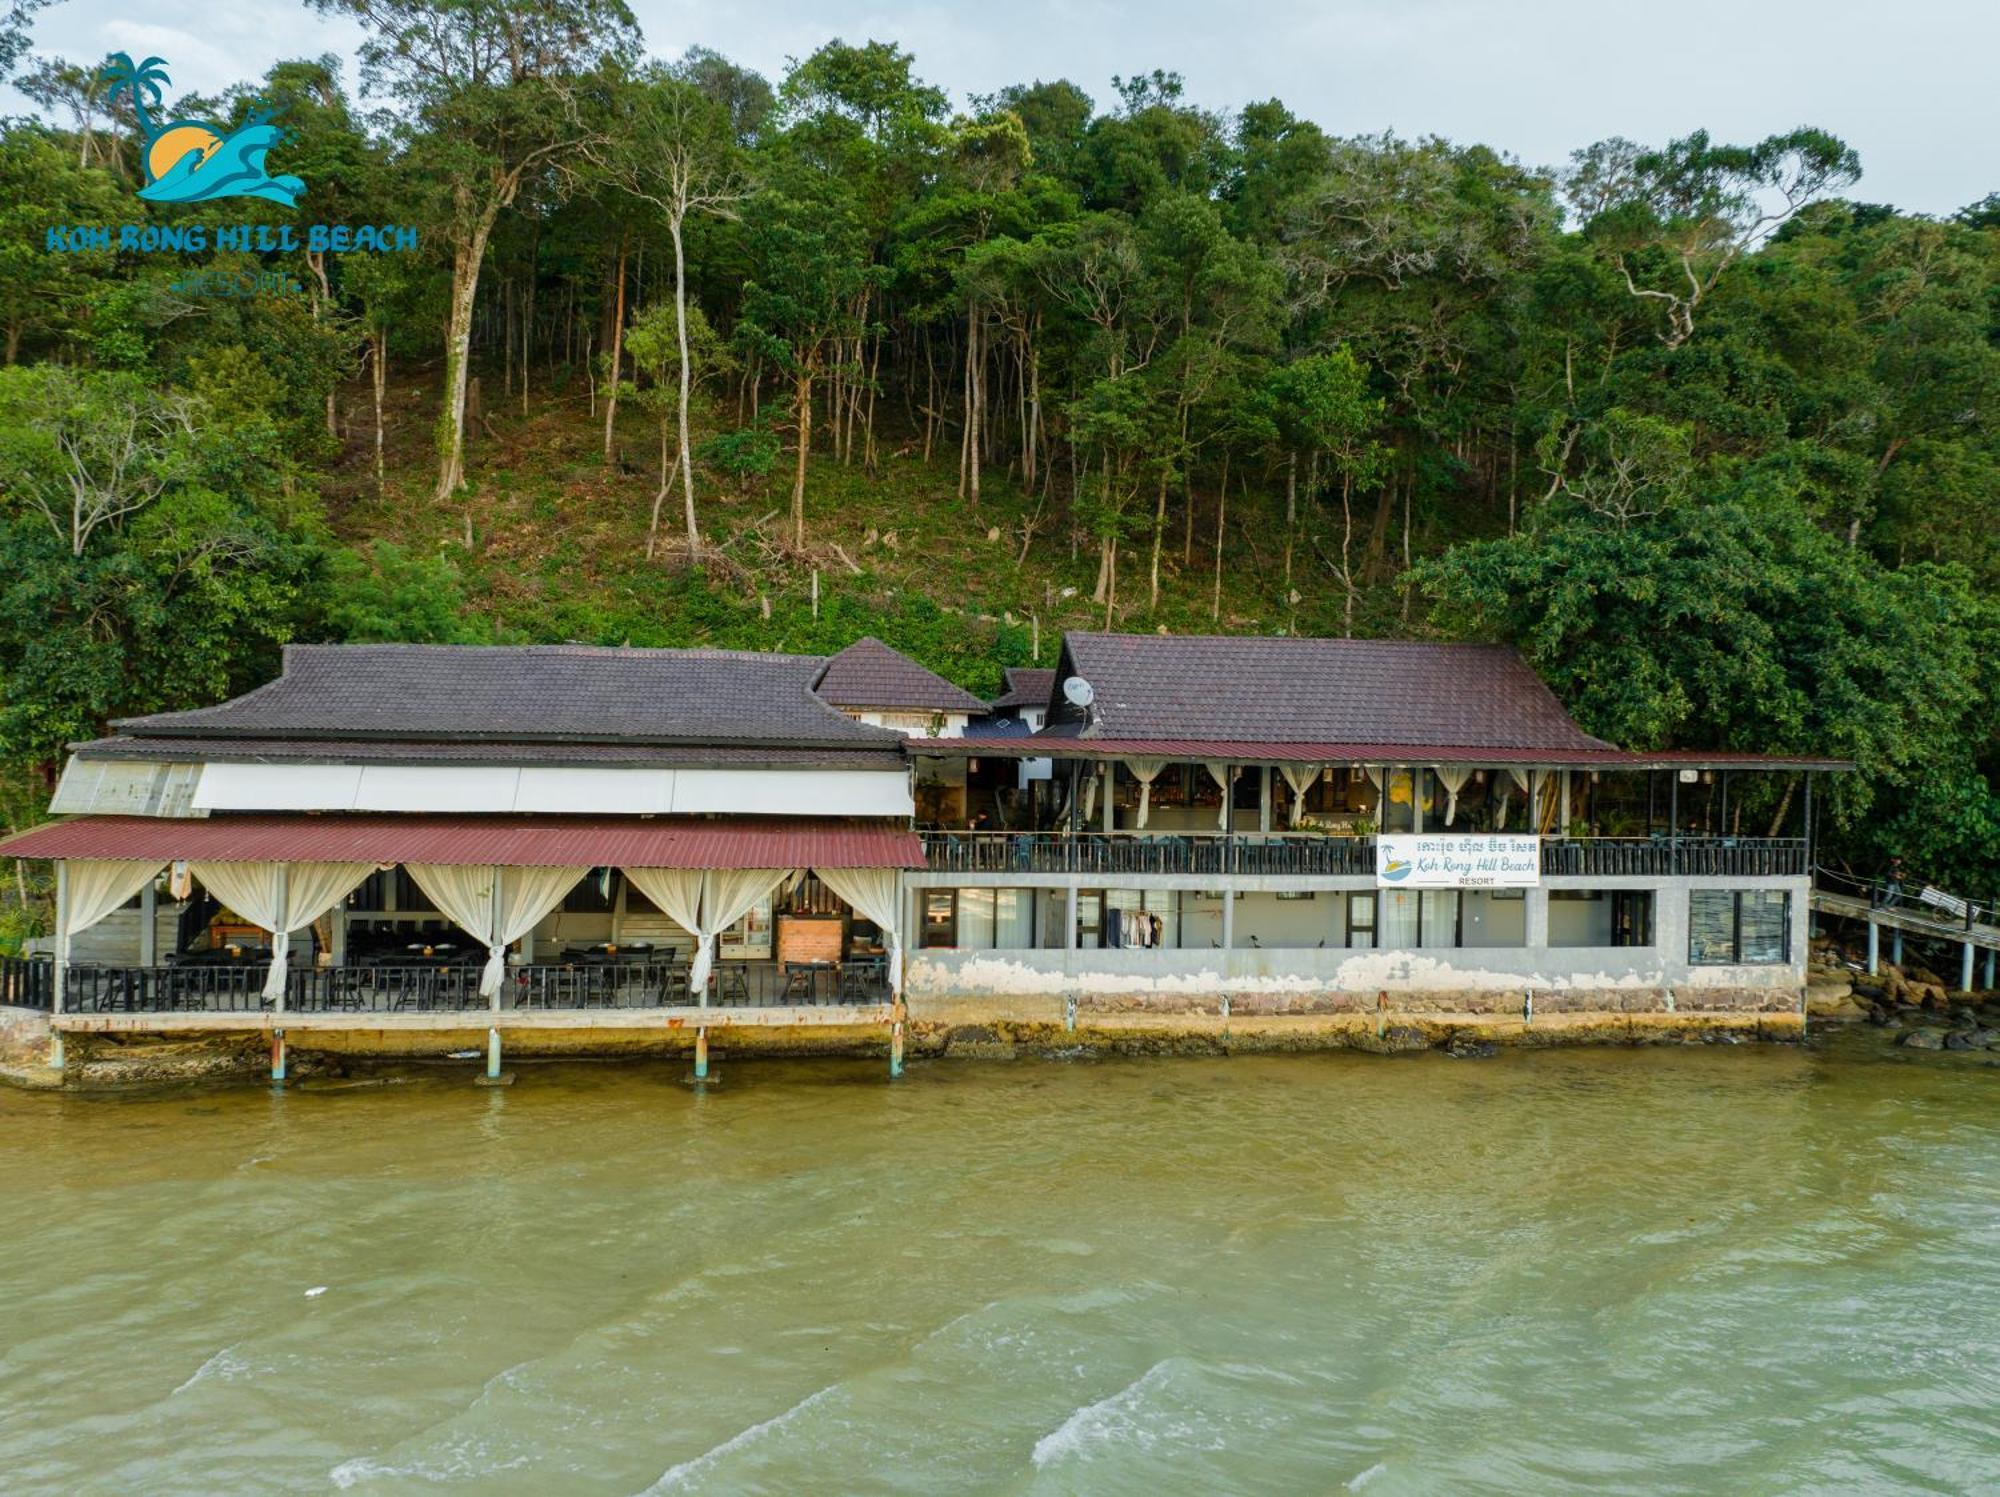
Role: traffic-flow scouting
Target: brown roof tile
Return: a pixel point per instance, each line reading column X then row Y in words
column 1251, row 689
column 870, row 674
column 1026, row 687
column 541, row 693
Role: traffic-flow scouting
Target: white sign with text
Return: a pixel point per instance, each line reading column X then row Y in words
column 1445, row 860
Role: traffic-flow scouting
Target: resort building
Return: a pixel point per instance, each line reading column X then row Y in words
column 433, row 840
column 1310, row 823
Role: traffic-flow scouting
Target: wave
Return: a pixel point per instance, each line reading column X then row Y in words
column 677, row 1478
column 1107, row 1419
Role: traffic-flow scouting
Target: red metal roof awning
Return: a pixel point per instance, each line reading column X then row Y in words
column 522, row 841
column 1049, row 745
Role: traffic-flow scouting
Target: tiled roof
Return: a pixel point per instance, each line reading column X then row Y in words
column 868, row 674
column 480, row 752
column 543, row 693
column 1255, row 689
column 1026, row 687
column 524, row 841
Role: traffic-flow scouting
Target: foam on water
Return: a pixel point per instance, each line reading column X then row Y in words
column 683, row 1476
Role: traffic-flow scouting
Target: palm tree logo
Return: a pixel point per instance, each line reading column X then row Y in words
column 190, row 161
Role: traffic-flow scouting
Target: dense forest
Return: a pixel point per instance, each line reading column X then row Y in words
column 685, row 355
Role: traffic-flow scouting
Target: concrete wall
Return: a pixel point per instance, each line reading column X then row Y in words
column 1484, row 978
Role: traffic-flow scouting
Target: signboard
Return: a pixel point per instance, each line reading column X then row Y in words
column 1458, row 861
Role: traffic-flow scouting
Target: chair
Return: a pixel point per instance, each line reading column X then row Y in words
column 799, row 984
column 732, row 983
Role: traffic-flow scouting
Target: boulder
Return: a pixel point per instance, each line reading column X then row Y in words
column 1927, row 1038
column 1466, row 1047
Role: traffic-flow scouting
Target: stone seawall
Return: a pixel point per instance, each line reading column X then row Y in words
column 963, row 1028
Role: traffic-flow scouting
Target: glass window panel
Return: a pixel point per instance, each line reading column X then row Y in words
column 1361, row 920
column 1711, row 926
column 1440, row 908
column 1396, row 922
column 975, row 919
column 1014, row 919
column 1764, row 920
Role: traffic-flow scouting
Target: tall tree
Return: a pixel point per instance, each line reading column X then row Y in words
column 676, row 150
column 493, row 91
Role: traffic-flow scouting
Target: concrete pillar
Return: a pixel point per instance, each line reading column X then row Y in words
column 1264, row 799
column 278, row 1057
column 896, row 1014
column 1416, row 800
column 281, row 946
column 1562, row 815
column 1537, row 917
column 149, row 925
column 1874, row 947
column 701, row 1053
column 1965, row 966
column 1228, row 919
column 337, row 948
column 1069, row 917
column 1110, row 794
column 1896, row 945
column 1992, row 967
column 493, row 1055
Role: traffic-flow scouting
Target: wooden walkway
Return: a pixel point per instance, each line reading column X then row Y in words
column 1919, row 920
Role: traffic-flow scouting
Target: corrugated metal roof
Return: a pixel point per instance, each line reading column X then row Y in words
column 531, row 841
column 1066, row 745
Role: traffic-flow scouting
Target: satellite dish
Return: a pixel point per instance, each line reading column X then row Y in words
column 1079, row 692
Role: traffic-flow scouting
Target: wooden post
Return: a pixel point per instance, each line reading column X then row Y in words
column 701, row 1051
column 277, row 1057
column 61, row 973
column 149, row 925
column 898, row 1012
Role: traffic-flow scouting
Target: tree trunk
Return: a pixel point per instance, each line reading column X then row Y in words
column 617, row 352
column 1221, row 516
column 802, row 389
column 1347, row 547
column 1291, row 517
column 681, row 405
column 465, row 265
column 380, row 378
column 1159, row 535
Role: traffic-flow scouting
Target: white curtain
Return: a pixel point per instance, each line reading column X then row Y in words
column 1453, row 779
column 1090, row 795
column 1300, row 778
column 872, row 891
column 1520, row 778
column 464, row 891
column 1145, row 771
column 1222, row 774
column 94, row 887
column 282, row 898
column 705, row 904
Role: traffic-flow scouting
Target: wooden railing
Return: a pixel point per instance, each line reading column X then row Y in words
column 1117, row 853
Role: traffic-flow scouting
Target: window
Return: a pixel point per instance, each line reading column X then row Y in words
column 940, row 917
column 1440, row 918
column 1600, row 917
column 1361, row 920
column 1739, row 927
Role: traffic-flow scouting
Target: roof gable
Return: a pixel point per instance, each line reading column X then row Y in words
column 1026, row 687
column 1250, row 688
column 869, row 674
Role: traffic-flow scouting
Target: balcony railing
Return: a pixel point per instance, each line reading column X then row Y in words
column 1141, row 852
column 27, row 982
column 454, row 988
column 1114, row 853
